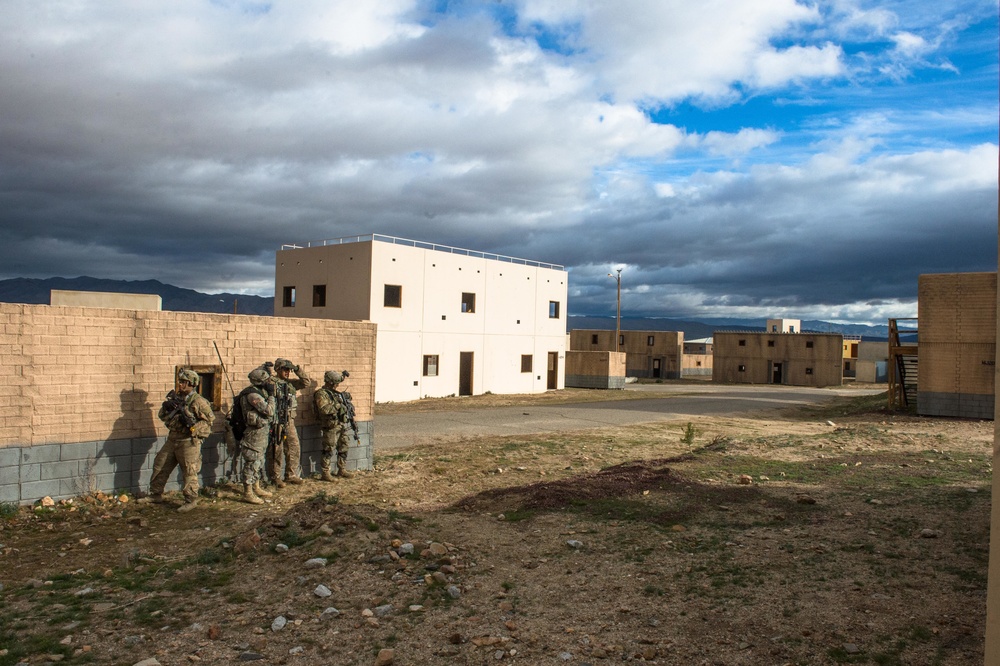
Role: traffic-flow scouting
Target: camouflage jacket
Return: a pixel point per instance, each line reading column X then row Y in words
column 331, row 407
column 286, row 400
column 196, row 411
column 258, row 410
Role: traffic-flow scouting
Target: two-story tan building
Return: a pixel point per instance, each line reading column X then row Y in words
column 450, row 321
column 775, row 357
column 648, row 354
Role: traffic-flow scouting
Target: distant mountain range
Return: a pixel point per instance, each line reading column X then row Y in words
column 36, row 291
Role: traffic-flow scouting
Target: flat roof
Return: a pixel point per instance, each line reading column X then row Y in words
column 393, row 240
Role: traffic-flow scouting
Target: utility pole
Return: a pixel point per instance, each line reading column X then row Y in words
column 618, row 318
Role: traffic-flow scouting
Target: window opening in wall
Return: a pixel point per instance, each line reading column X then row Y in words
column 742, row 368
column 430, row 365
column 393, row 296
column 288, row 297
column 621, row 340
column 770, row 343
column 809, row 344
column 319, row 295
column 593, row 339
column 809, row 371
column 649, row 340
column 553, row 309
column 468, row 302
column 743, row 343
column 525, row 362
column 210, row 385
column 791, row 329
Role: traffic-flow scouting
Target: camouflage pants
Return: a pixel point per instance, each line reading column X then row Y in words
column 254, row 449
column 177, row 450
column 287, row 454
column 335, row 442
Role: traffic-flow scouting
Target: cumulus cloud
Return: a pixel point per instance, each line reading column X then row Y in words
column 731, row 155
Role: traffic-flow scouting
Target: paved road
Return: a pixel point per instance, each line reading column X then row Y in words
column 665, row 402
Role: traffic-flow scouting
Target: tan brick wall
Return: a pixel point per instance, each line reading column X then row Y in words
column 957, row 323
column 90, row 374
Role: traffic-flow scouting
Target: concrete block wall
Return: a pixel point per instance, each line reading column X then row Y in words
column 79, row 408
column 595, row 369
column 957, row 350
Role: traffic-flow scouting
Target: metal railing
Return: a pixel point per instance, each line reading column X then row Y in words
column 393, row 240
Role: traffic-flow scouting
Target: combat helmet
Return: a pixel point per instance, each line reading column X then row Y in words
column 333, row 377
column 283, row 363
column 258, row 376
column 189, row 376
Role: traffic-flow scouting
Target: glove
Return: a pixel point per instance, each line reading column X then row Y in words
column 167, row 405
column 269, row 389
column 295, row 369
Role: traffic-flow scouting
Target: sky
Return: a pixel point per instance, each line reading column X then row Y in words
column 734, row 158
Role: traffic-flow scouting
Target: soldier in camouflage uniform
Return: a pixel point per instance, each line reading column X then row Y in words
column 258, row 410
column 331, row 406
column 188, row 417
column 287, row 450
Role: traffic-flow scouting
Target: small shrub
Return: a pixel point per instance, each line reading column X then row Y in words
column 690, row 432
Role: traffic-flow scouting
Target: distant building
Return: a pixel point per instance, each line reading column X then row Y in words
column 648, row 354
column 450, row 321
column 697, row 358
column 777, row 357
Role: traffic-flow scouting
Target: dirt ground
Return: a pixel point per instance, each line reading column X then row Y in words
column 841, row 535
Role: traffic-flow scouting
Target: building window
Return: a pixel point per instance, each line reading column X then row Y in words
column 809, row 344
column 553, row 309
column 430, row 365
column 525, row 362
column 791, row 329
column 288, row 297
column 593, row 339
column 774, row 328
column 621, row 340
column 393, row 296
column 468, row 302
column 649, row 340
column 743, row 368
column 210, row 386
column 770, row 343
column 809, row 371
column 743, row 343
column 698, row 363
column 319, row 295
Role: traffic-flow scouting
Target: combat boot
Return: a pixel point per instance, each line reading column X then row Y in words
column 343, row 473
column 294, row 480
column 259, row 489
column 188, row 505
column 278, row 483
column 249, row 496
column 326, row 476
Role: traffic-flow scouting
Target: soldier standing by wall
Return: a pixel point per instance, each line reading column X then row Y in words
column 286, row 449
column 188, row 417
column 258, row 410
column 332, row 406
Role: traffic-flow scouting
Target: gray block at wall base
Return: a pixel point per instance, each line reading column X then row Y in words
column 10, row 456
column 61, row 471
column 595, row 382
column 958, row 405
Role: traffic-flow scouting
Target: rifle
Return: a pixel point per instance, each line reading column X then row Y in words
column 349, row 406
column 232, row 444
column 179, row 405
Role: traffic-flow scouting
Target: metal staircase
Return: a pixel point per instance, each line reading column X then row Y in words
column 902, row 364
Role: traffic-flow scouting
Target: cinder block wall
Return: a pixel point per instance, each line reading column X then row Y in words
column 78, row 408
column 598, row 369
column 957, row 349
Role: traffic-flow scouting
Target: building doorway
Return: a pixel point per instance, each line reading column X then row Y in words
column 656, row 368
column 465, row 373
column 776, row 374
column 553, row 371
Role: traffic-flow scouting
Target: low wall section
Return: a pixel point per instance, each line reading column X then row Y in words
column 78, row 405
column 596, row 369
